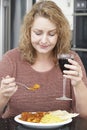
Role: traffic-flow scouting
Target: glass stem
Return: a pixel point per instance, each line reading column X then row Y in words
column 64, row 86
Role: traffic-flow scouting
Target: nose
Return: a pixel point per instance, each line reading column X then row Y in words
column 44, row 38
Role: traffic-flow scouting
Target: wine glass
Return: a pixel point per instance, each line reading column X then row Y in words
column 63, row 59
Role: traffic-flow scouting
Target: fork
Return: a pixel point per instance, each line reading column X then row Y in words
column 36, row 86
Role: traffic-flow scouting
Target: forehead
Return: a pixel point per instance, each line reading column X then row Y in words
column 43, row 23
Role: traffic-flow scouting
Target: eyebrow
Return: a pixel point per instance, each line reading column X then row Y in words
column 37, row 29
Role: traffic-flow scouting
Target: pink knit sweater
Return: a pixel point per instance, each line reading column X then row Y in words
column 43, row 99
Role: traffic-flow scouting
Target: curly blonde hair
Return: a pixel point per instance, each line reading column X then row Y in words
column 47, row 9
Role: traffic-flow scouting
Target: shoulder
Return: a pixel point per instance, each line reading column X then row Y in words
column 75, row 54
column 77, row 58
column 80, row 62
column 12, row 54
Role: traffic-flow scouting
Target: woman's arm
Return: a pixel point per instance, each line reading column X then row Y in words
column 7, row 89
column 78, row 78
column 81, row 98
column 3, row 103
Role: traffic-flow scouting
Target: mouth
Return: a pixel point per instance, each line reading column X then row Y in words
column 43, row 46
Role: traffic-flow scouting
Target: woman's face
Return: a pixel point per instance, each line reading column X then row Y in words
column 43, row 35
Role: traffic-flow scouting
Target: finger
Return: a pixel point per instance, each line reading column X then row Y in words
column 71, row 67
column 73, row 62
column 10, row 85
column 74, row 78
column 9, row 92
column 7, row 76
column 8, row 80
column 70, row 72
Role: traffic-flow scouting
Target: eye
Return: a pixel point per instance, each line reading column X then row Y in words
column 38, row 33
column 52, row 33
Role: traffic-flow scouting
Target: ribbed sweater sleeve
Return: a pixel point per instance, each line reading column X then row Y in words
column 6, row 67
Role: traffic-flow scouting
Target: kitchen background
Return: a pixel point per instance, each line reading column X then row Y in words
column 13, row 11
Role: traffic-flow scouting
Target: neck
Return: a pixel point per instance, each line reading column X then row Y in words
column 43, row 63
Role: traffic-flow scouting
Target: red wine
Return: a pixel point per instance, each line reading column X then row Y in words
column 63, row 61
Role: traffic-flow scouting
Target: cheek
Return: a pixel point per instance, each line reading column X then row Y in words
column 54, row 40
column 34, row 39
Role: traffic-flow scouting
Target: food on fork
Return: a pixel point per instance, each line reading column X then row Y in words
column 35, row 87
column 32, row 88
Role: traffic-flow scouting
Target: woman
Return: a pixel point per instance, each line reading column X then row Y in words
column 45, row 34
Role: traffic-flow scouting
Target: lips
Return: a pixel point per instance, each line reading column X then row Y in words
column 43, row 46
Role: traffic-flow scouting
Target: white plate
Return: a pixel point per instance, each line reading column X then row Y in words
column 41, row 125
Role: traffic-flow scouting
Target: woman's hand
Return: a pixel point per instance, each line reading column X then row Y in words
column 74, row 73
column 8, row 86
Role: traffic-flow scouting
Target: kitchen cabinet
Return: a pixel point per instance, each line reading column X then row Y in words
column 79, row 40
